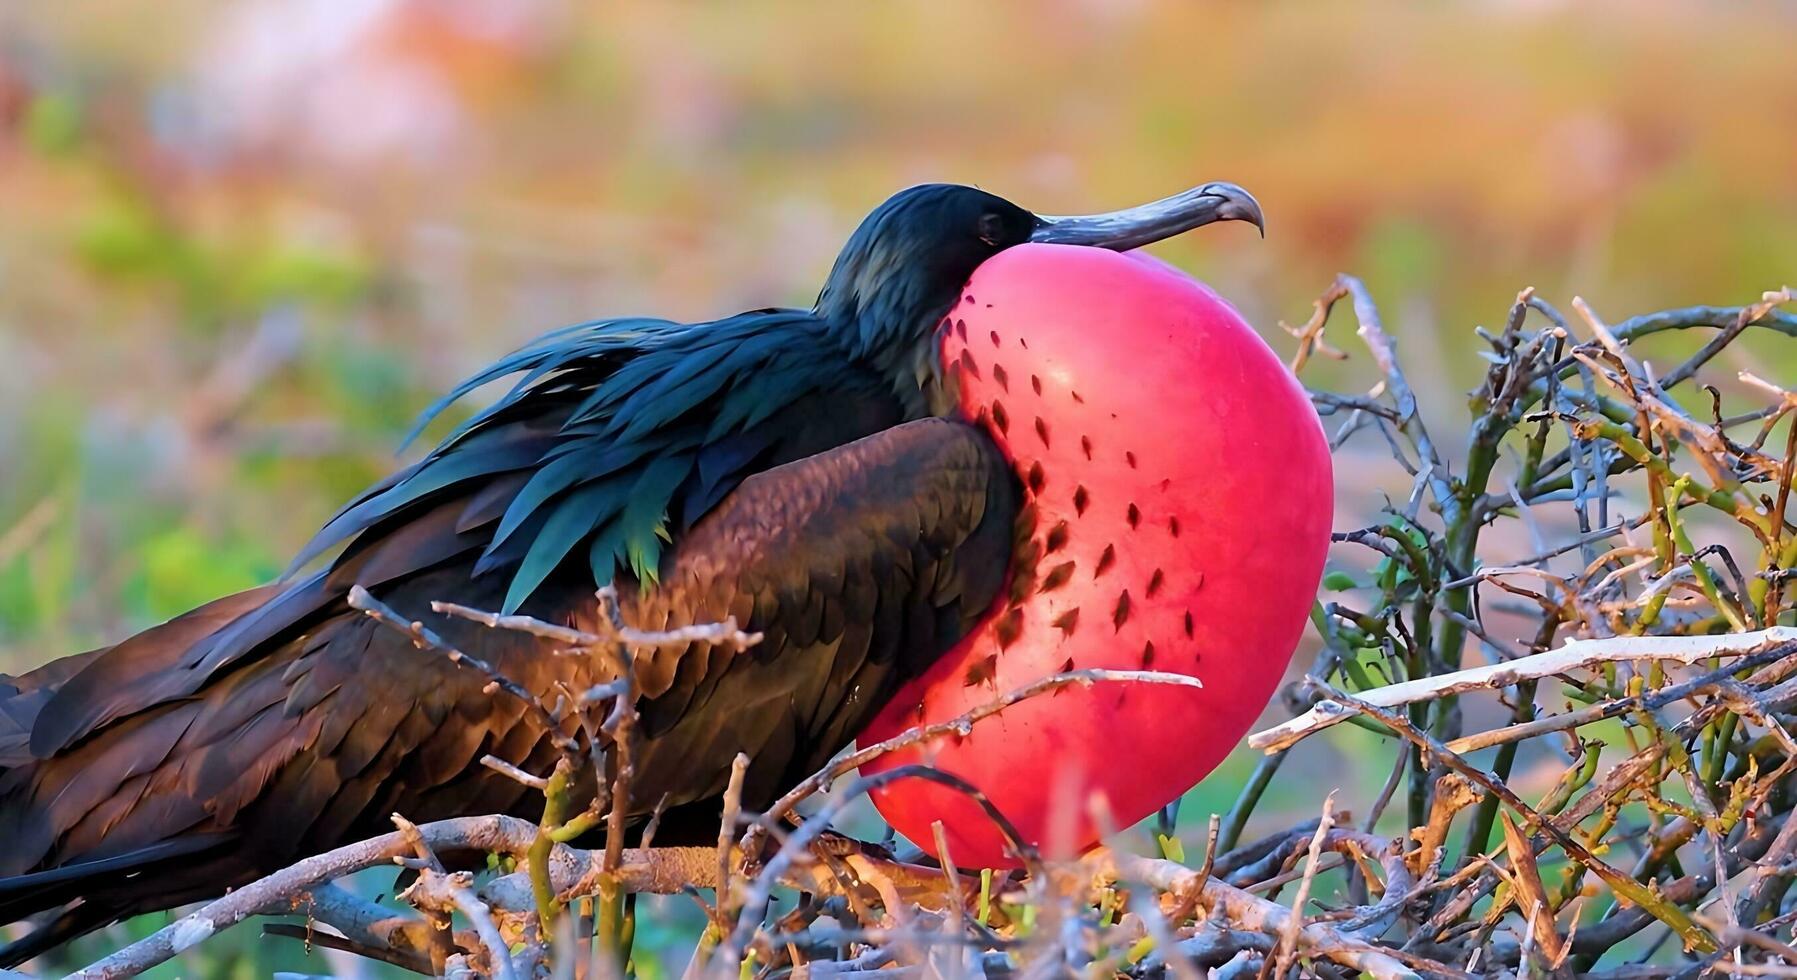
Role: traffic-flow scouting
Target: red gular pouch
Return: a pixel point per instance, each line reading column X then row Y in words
column 1179, row 497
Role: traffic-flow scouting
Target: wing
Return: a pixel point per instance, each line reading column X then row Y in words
column 618, row 438
column 860, row 564
column 621, row 434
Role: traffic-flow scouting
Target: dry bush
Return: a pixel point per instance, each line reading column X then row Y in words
column 1650, row 613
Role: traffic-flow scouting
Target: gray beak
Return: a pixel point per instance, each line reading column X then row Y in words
column 1148, row 223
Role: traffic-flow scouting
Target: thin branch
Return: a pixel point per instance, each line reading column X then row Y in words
column 1294, row 924
column 1245, row 911
column 1575, row 655
column 962, row 725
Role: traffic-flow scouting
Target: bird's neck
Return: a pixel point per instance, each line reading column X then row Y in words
column 895, row 332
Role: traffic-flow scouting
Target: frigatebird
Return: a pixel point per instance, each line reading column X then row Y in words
column 803, row 470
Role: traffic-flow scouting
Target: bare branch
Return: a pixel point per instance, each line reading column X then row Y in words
column 1575, row 655
column 1245, row 911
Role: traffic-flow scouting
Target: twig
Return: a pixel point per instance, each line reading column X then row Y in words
column 1310, row 335
column 442, row 941
column 391, row 935
column 501, row 834
column 665, row 871
column 1625, row 887
column 725, row 634
column 1531, row 897
column 962, row 725
column 313, row 937
column 1245, row 911
column 1575, row 655
column 1294, row 924
column 1384, row 350
column 733, row 796
column 514, row 773
column 437, row 890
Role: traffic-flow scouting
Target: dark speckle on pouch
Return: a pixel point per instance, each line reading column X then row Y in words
column 983, row 670
column 1106, row 560
column 1057, row 576
column 1009, row 627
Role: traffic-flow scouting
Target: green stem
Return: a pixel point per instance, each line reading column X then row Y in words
column 1237, row 818
column 614, row 926
column 1706, row 580
column 555, row 807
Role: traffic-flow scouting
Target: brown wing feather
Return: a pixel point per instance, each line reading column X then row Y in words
column 861, row 565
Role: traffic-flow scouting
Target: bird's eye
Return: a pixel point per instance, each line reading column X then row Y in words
column 991, row 228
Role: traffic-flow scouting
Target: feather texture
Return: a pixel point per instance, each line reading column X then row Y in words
column 332, row 721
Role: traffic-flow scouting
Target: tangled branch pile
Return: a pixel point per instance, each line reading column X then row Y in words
column 1661, row 842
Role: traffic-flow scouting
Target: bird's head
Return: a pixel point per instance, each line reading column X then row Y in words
column 907, row 261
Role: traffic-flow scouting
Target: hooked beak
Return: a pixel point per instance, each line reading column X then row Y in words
column 1148, row 223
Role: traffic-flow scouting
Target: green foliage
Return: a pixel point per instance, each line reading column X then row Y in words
column 52, row 124
column 123, row 237
column 1339, row 581
column 182, row 567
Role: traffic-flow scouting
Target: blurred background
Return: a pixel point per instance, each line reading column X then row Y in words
column 241, row 245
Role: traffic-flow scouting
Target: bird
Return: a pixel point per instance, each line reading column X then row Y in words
column 807, row 471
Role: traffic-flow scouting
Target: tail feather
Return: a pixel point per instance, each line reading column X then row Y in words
column 71, row 923
column 147, row 801
column 39, row 891
column 91, row 886
column 93, row 894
